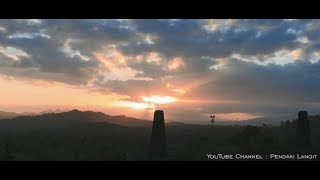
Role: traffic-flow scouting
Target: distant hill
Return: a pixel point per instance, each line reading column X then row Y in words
column 29, row 114
column 7, row 115
column 274, row 121
column 174, row 123
column 57, row 119
column 49, row 111
column 127, row 121
column 65, row 119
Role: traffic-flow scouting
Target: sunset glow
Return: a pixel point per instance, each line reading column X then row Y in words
column 134, row 105
column 159, row 90
column 188, row 68
column 236, row 116
column 159, row 99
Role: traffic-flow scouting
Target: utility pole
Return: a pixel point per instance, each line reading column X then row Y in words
column 212, row 121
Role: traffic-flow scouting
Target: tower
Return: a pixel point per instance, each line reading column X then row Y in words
column 303, row 130
column 158, row 144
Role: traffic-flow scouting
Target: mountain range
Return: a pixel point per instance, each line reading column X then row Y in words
column 58, row 118
column 65, row 119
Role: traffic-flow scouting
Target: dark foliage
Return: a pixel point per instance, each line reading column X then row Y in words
column 89, row 136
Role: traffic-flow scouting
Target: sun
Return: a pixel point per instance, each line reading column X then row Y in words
column 148, row 102
column 134, row 105
column 159, row 99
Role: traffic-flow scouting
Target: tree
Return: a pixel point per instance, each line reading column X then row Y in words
column 287, row 123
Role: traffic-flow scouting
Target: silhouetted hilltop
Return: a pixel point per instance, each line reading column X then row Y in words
column 65, row 119
column 274, row 121
column 7, row 115
column 174, row 123
column 128, row 121
column 49, row 111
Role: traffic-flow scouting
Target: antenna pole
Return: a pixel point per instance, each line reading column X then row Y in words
column 212, row 121
column 212, row 127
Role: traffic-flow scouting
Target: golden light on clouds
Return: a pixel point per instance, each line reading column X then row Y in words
column 114, row 66
column 152, row 57
column 186, row 67
column 134, row 105
column 176, row 63
column 159, row 99
column 179, row 91
column 297, row 53
column 149, row 102
column 12, row 52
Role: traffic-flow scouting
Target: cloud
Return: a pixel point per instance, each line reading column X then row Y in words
column 136, row 88
column 191, row 38
column 252, row 66
column 44, row 59
column 248, row 81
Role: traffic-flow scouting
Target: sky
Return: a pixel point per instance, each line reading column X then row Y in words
column 233, row 68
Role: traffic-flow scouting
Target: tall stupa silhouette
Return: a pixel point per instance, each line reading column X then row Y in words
column 303, row 130
column 158, row 144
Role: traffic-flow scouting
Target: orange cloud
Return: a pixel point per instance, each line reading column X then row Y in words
column 296, row 53
column 176, row 63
